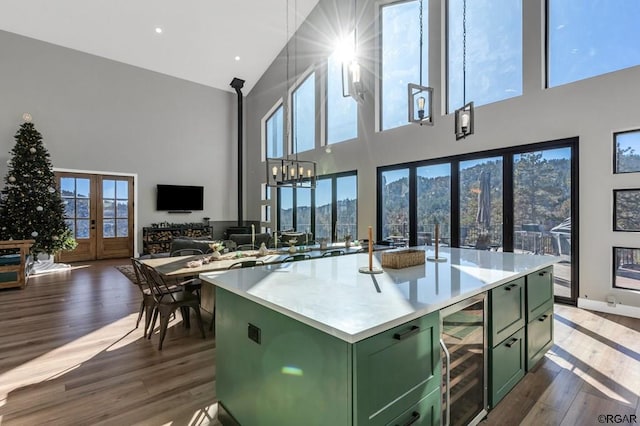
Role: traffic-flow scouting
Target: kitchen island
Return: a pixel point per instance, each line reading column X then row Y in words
column 317, row 342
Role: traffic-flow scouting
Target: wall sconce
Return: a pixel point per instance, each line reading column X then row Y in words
column 464, row 121
column 420, row 104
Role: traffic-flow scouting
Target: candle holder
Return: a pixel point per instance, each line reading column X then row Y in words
column 370, row 269
column 436, row 259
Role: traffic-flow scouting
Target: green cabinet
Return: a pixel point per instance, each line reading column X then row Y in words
column 395, row 369
column 507, row 310
column 426, row 412
column 521, row 329
column 539, row 338
column 539, row 293
column 506, row 365
column 276, row 370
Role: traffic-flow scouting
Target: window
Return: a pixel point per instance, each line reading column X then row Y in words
column 285, row 202
column 303, row 210
column 627, row 152
column 274, row 133
column 587, row 38
column 491, row 66
column 346, row 207
column 626, row 209
column 342, row 113
column 329, row 211
column 626, row 268
column 324, row 204
column 481, row 212
column 395, row 204
column 433, row 202
column 519, row 199
column 303, row 110
column 400, row 58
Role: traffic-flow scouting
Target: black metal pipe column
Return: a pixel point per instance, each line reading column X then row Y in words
column 237, row 84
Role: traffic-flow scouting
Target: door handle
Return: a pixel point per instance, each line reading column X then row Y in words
column 447, row 381
column 511, row 342
column 415, row 416
column 410, row 332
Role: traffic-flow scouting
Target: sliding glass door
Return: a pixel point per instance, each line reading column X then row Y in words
column 519, row 199
column 542, row 209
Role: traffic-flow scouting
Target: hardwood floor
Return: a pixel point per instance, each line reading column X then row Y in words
column 70, row 355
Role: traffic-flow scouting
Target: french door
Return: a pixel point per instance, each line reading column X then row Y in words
column 99, row 211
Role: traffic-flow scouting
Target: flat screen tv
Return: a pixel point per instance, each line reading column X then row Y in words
column 179, row 198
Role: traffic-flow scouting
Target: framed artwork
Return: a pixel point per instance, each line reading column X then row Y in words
column 626, row 210
column 626, row 268
column 626, row 146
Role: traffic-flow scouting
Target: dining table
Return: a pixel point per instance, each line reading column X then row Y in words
column 183, row 267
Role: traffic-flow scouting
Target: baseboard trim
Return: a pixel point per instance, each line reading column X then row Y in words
column 618, row 309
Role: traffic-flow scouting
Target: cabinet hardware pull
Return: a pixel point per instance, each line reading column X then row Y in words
column 510, row 286
column 542, row 318
column 542, row 274
column 511, row 342
column 415, row 416
column 413, row 330
column 447, row 383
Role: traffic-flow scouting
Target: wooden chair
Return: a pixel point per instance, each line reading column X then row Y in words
column 241, row 264
column 246, row 264
column 296, row 257
column 167, row 302
column 333, row 253
column 147, row 304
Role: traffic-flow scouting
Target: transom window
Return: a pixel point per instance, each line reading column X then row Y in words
column 274, row 133
column 400, row 58
column 487, row 62
column 587, row 38
column 342, row 112
column 303, row 107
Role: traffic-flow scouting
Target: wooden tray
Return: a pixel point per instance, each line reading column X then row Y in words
column 398, row 259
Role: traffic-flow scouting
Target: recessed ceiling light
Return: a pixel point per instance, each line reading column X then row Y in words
column 158, row 30
column 237, row 58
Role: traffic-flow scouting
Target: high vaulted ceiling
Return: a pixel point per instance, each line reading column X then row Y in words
column 199, row 42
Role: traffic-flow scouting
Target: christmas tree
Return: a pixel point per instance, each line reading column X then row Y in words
column 30, row 206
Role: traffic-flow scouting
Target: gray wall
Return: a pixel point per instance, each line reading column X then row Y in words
column 591, row 109
column 100, row 115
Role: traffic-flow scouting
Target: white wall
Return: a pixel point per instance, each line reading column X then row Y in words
column 98, row 114
column 591, row 109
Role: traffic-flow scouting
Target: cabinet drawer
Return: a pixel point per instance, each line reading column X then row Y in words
column 424, row 413
column 507, row 361
column 396, row 369
column 507, row 310
column 539, row 293
column 539, row 338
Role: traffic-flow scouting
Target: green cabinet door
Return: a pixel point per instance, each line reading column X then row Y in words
column 507, row 365
column 507, row 310
column 539, row 338
column 539, row 293
column 395, row 369
column 272, row 370
column 427, row 412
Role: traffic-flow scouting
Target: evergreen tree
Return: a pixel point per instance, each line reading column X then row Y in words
column 30, row 205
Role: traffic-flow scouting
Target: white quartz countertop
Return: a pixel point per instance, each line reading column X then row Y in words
column 331, row 295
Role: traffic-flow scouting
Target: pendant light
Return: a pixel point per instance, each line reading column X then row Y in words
column 420, row 97
column 464, row 116
column 289, row 171
column 351, row 75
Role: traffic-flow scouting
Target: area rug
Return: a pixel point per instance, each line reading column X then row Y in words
column 127, row 271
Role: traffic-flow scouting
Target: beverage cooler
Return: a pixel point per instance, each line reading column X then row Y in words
column 464, row 359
